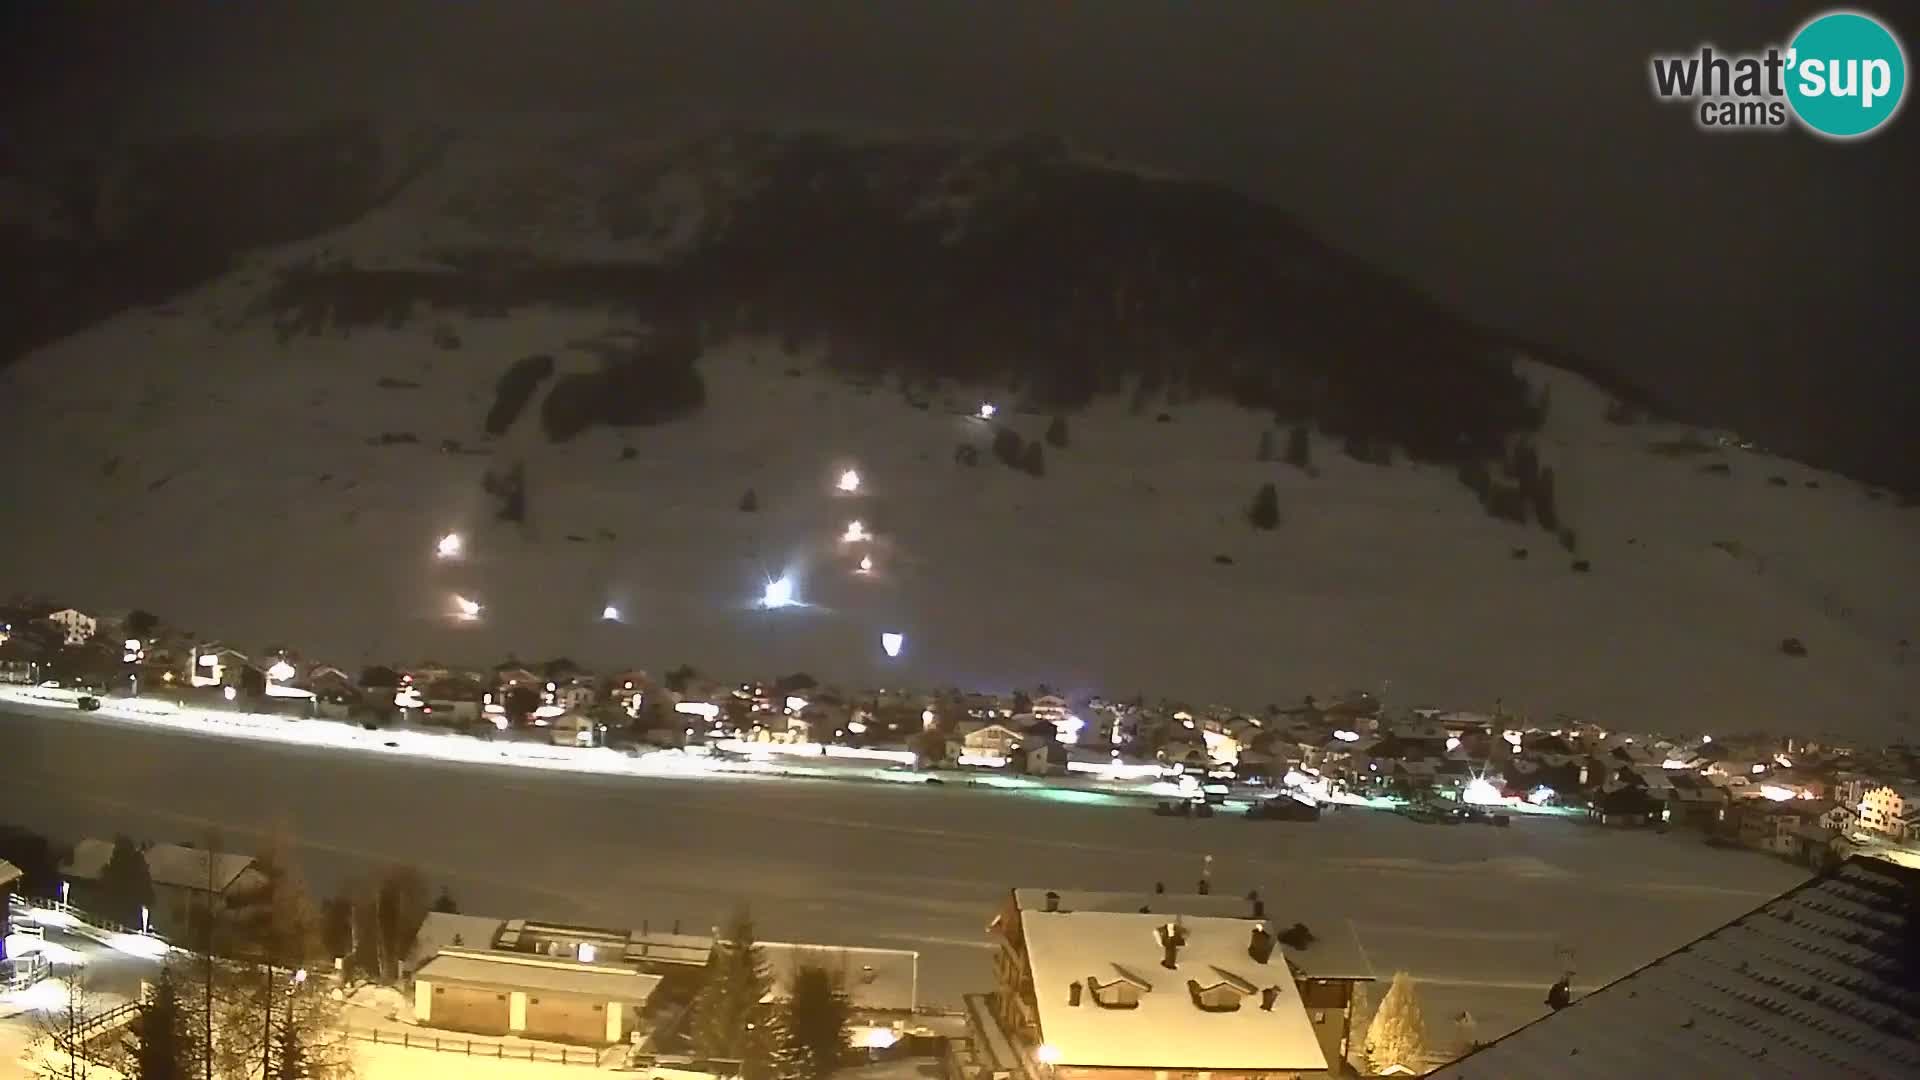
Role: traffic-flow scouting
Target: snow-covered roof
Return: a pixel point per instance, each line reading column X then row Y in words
column 875, row 980
column 1813, row 983
column 538, row 973
column 9, row 873
column 1168, row 1028
column 1334, row 952
column 439, row 929
column 167, row 864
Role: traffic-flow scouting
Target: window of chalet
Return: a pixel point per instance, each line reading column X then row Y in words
column 1117, row 994
column 1220, row 997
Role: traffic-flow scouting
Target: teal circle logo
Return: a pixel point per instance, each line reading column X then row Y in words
column 1846, row 74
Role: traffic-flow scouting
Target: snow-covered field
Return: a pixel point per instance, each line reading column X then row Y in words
column 226, row 481
column 1484, row 915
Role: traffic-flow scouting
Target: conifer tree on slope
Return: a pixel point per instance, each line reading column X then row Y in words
column 1398, row 1033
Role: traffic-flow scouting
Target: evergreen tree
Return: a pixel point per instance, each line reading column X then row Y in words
column 162, row 1050
column 1299, row 447
column 1398, row 1033
column 444, row 903
column 813, row 1029
column 729, row 1023
column 1265, row 511
column 1057, row 431
column 1265, row 453
column 1033, row 461
column 125, row 883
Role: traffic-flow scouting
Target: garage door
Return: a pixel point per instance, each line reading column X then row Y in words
column 463, row 1008
column 566, row 1018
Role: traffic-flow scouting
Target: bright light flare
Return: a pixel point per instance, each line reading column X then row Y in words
column 281, row 671
column 855, row 533
column 465, row 608
column 778, row 593
column 893, row 643
column 450, row 546
column 610, row 613
column 987, row 409
column 866, row 564
column 850, row 481
column 1480, row 790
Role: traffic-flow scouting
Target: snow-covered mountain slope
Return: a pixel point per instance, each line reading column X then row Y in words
column 227, row 480
column 219, row 459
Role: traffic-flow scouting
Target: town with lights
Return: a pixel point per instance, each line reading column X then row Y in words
column 1809, row 801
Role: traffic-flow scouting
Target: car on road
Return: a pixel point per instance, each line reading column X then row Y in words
column 88, row 703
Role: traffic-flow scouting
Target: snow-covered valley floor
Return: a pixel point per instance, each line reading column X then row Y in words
column 1483, row 915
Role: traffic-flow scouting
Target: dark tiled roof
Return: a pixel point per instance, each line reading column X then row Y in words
column 1820, row 981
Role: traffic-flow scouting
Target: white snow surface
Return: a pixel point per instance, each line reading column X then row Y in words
column 1166, row 1028
column 247, row 503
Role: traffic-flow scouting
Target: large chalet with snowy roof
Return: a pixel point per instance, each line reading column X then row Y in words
column 1140, row 986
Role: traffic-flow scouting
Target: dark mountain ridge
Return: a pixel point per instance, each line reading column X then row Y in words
column 1015, row 262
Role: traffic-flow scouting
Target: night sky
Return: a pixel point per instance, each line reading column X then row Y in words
column 1507, row 156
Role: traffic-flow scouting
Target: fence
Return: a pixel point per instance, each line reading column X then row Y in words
column 447, row 1044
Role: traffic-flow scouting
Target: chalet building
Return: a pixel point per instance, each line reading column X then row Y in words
column 1129, row 986
column 996, row 740
column 592, row 985
column 1625, row 806
column 186, row 881
column 1892, row 810
column 496, row 993
column 76, row 627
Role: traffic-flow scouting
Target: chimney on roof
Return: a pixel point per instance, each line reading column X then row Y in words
column 1073, row 994
column 1204, row 887
column 1259, row 909
column 1269, row 996
column 1260, row 946
column 1159, row 887
column 1172, row 936
column 1053, row 900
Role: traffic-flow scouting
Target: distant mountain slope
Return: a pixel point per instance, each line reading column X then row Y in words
column 1016, row 262
column 585, row 351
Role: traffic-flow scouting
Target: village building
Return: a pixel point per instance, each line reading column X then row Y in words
column 77, row 627
column 592, row 985
column 1109, row 985
column 1892, row 810
column 186, row 881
